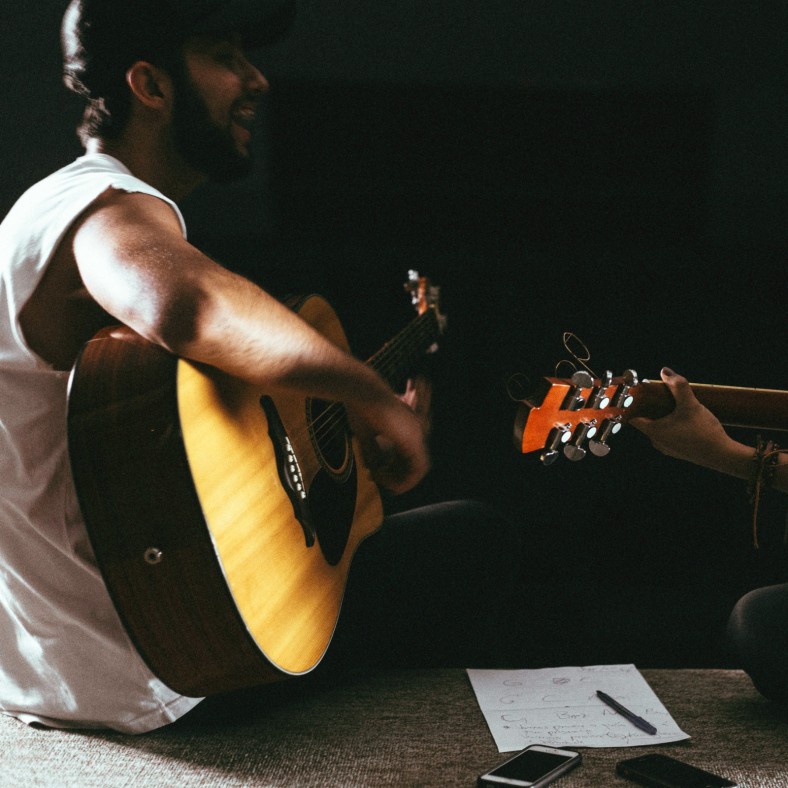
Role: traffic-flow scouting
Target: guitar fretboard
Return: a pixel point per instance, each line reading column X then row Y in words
column 763, row 409
column 395, row 358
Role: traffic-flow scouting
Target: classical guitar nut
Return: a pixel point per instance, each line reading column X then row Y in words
column 153, row 555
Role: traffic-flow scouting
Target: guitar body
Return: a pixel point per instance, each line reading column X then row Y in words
column 224, row 521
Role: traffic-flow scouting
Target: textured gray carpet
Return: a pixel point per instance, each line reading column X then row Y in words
column 404, row 728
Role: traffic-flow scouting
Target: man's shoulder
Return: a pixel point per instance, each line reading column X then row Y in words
column 97, row 169
column 70, row 190
column 86, row 172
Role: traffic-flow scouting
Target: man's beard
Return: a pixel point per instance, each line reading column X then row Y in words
column 205, row 146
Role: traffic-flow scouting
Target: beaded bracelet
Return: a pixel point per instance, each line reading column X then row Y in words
column 764, row 465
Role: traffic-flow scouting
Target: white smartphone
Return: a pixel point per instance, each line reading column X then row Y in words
column 533, row 767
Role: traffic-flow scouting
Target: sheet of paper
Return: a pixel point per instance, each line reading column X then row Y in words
column 560, row 707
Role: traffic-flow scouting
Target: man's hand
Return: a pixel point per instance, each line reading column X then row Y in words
column 392, row 443
column 418, row 397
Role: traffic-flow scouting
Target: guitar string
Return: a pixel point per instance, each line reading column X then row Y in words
column 332, row 422
column 386, row 361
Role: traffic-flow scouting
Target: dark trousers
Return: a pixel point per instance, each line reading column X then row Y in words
column 436, row 586
column 758, row 633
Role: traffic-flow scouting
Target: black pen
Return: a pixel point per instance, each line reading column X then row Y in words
column 638, row 722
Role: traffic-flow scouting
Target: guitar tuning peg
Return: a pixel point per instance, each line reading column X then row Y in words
column 623, row 398
column 599, row 446
column 558, row 436
column 574, row 399
column 573, row 450
column 413, row 286
column 599, row 399
column 548, row 457
column 582, row 379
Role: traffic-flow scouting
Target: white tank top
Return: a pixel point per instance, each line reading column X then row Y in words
column 65, row 658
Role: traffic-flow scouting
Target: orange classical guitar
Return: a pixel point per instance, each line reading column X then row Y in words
column 224, row 520
column 581, row 414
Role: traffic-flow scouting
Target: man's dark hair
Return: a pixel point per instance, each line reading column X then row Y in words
column 101, row 39
column 106, row 116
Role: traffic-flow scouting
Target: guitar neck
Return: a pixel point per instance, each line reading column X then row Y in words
column 765, row 409
column 395, row 359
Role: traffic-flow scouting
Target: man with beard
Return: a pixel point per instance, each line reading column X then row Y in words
column 170, row 103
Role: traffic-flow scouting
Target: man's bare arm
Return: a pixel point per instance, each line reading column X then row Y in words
column 134, row 261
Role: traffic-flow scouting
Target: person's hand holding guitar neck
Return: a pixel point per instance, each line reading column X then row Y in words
column 693, row 433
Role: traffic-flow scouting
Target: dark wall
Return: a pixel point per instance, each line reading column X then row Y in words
column 731, row 52
column 615, row 169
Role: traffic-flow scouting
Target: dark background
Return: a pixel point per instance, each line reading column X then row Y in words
column 615, row 168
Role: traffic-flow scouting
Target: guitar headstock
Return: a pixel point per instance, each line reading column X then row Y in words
column 574, row 415
column 425, row 296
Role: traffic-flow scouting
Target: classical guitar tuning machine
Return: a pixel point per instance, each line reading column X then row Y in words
column 599, row 445
column 599, row 399
column 584, row 431
column 623, row 397
column 574, row 399
column 559, row 435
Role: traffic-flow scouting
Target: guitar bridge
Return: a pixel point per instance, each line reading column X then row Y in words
column 289, row 469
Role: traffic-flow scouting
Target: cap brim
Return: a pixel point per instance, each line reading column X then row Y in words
column 258, row 22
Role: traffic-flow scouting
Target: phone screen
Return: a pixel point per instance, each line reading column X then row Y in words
column 661, row 770
column 530, row 765
column 536, row 765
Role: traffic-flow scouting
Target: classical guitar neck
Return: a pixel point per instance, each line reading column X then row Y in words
column 764, row 409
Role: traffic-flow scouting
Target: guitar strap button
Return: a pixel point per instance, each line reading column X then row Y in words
column 153, row 556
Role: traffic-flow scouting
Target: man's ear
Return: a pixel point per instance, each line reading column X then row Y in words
column 150, row 84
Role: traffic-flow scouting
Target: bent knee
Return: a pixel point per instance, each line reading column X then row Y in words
column 760, row 616
column 758, row 634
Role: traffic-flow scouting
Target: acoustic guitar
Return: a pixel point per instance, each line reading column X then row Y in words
column 224, row 520
column 577, row 415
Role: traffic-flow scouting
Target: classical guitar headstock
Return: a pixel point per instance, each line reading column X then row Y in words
column 425, row 296
column 574, row 415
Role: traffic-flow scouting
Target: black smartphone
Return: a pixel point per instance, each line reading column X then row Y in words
column 532, row 767
column 662, row 771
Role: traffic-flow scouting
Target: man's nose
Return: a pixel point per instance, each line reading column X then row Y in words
column 256, row 80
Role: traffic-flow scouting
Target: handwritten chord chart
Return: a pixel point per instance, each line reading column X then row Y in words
column 560, row 707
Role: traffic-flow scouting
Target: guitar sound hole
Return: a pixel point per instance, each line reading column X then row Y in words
column 330, row 436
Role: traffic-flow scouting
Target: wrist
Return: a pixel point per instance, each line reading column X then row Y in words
column 731, row 457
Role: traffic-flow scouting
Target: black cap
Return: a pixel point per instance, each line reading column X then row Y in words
column 102, row 38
